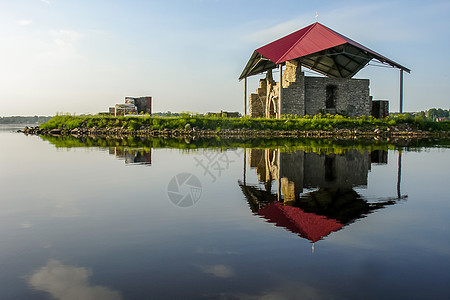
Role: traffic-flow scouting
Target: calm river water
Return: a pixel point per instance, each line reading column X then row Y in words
column 130, row 219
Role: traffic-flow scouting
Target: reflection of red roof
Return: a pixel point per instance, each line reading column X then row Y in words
column 310, row 226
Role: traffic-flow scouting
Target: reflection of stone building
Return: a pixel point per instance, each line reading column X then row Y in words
column 299, row 170
column 330, row 201
column 132, row 156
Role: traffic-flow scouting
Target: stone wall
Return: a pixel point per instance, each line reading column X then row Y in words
column 132, row 156
column 143, row 104
column 293, row 102
column 123, row 109
column 265, row 102
column 257, row 102
column 257, row 160
column 299, row 170
column 272, row 107
column 266, row 162
column 291, row 174
column 310, row 95
column 336, row 171
column 351, row 96
column 379, row 157
column 380, row 108
column 257, row 107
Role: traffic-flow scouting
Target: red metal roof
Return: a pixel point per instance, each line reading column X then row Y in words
column 311, row 39
column 308, row 225
column 319, row 48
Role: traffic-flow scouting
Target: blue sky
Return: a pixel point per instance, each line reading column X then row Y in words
column 82, row 56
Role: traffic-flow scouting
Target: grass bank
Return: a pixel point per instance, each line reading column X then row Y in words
column 307, row 123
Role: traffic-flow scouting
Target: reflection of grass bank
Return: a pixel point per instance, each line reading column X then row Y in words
column 318, row 122
column 284, row 144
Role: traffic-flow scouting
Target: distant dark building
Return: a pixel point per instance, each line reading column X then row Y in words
column 143, row 104
column 224, row 114
column 380, row 108
column 140, row 105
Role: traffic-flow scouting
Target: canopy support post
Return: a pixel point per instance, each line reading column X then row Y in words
column 399, row 174
column 245, row 166
column 280, row 98
column 279, row 174
column 401, row 91
column 245, row 96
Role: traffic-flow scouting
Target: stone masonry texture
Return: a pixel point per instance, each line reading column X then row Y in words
column 305, row 95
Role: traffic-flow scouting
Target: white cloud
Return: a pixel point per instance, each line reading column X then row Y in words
column 66, row 35
column 270, row 34
column 46, row 1
column 63, row 45
column 24, row 22
column 343, row 20
column 67, row 282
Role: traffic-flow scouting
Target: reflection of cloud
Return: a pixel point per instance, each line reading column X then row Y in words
column 25, row 225
column 66, row 208
column 68, row 283
column 216, row 251
column 46, row 245
column 220, row 271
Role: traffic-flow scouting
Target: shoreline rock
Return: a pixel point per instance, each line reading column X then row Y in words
column 188, row 132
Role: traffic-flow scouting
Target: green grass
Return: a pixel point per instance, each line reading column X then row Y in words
column 317, row 122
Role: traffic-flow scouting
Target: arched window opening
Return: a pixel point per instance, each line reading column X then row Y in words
column 331, row 96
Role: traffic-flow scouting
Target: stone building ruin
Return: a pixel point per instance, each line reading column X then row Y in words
column 133, row 105
column 326, row 52
column 307, row 95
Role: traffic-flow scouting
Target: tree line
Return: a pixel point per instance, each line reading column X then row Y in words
column 35, row 120
column 433, row 114
column 436, row 114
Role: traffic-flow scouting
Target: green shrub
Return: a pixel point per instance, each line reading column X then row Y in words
column 133, row 125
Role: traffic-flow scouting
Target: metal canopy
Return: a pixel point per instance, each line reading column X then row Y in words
column 319, row 48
